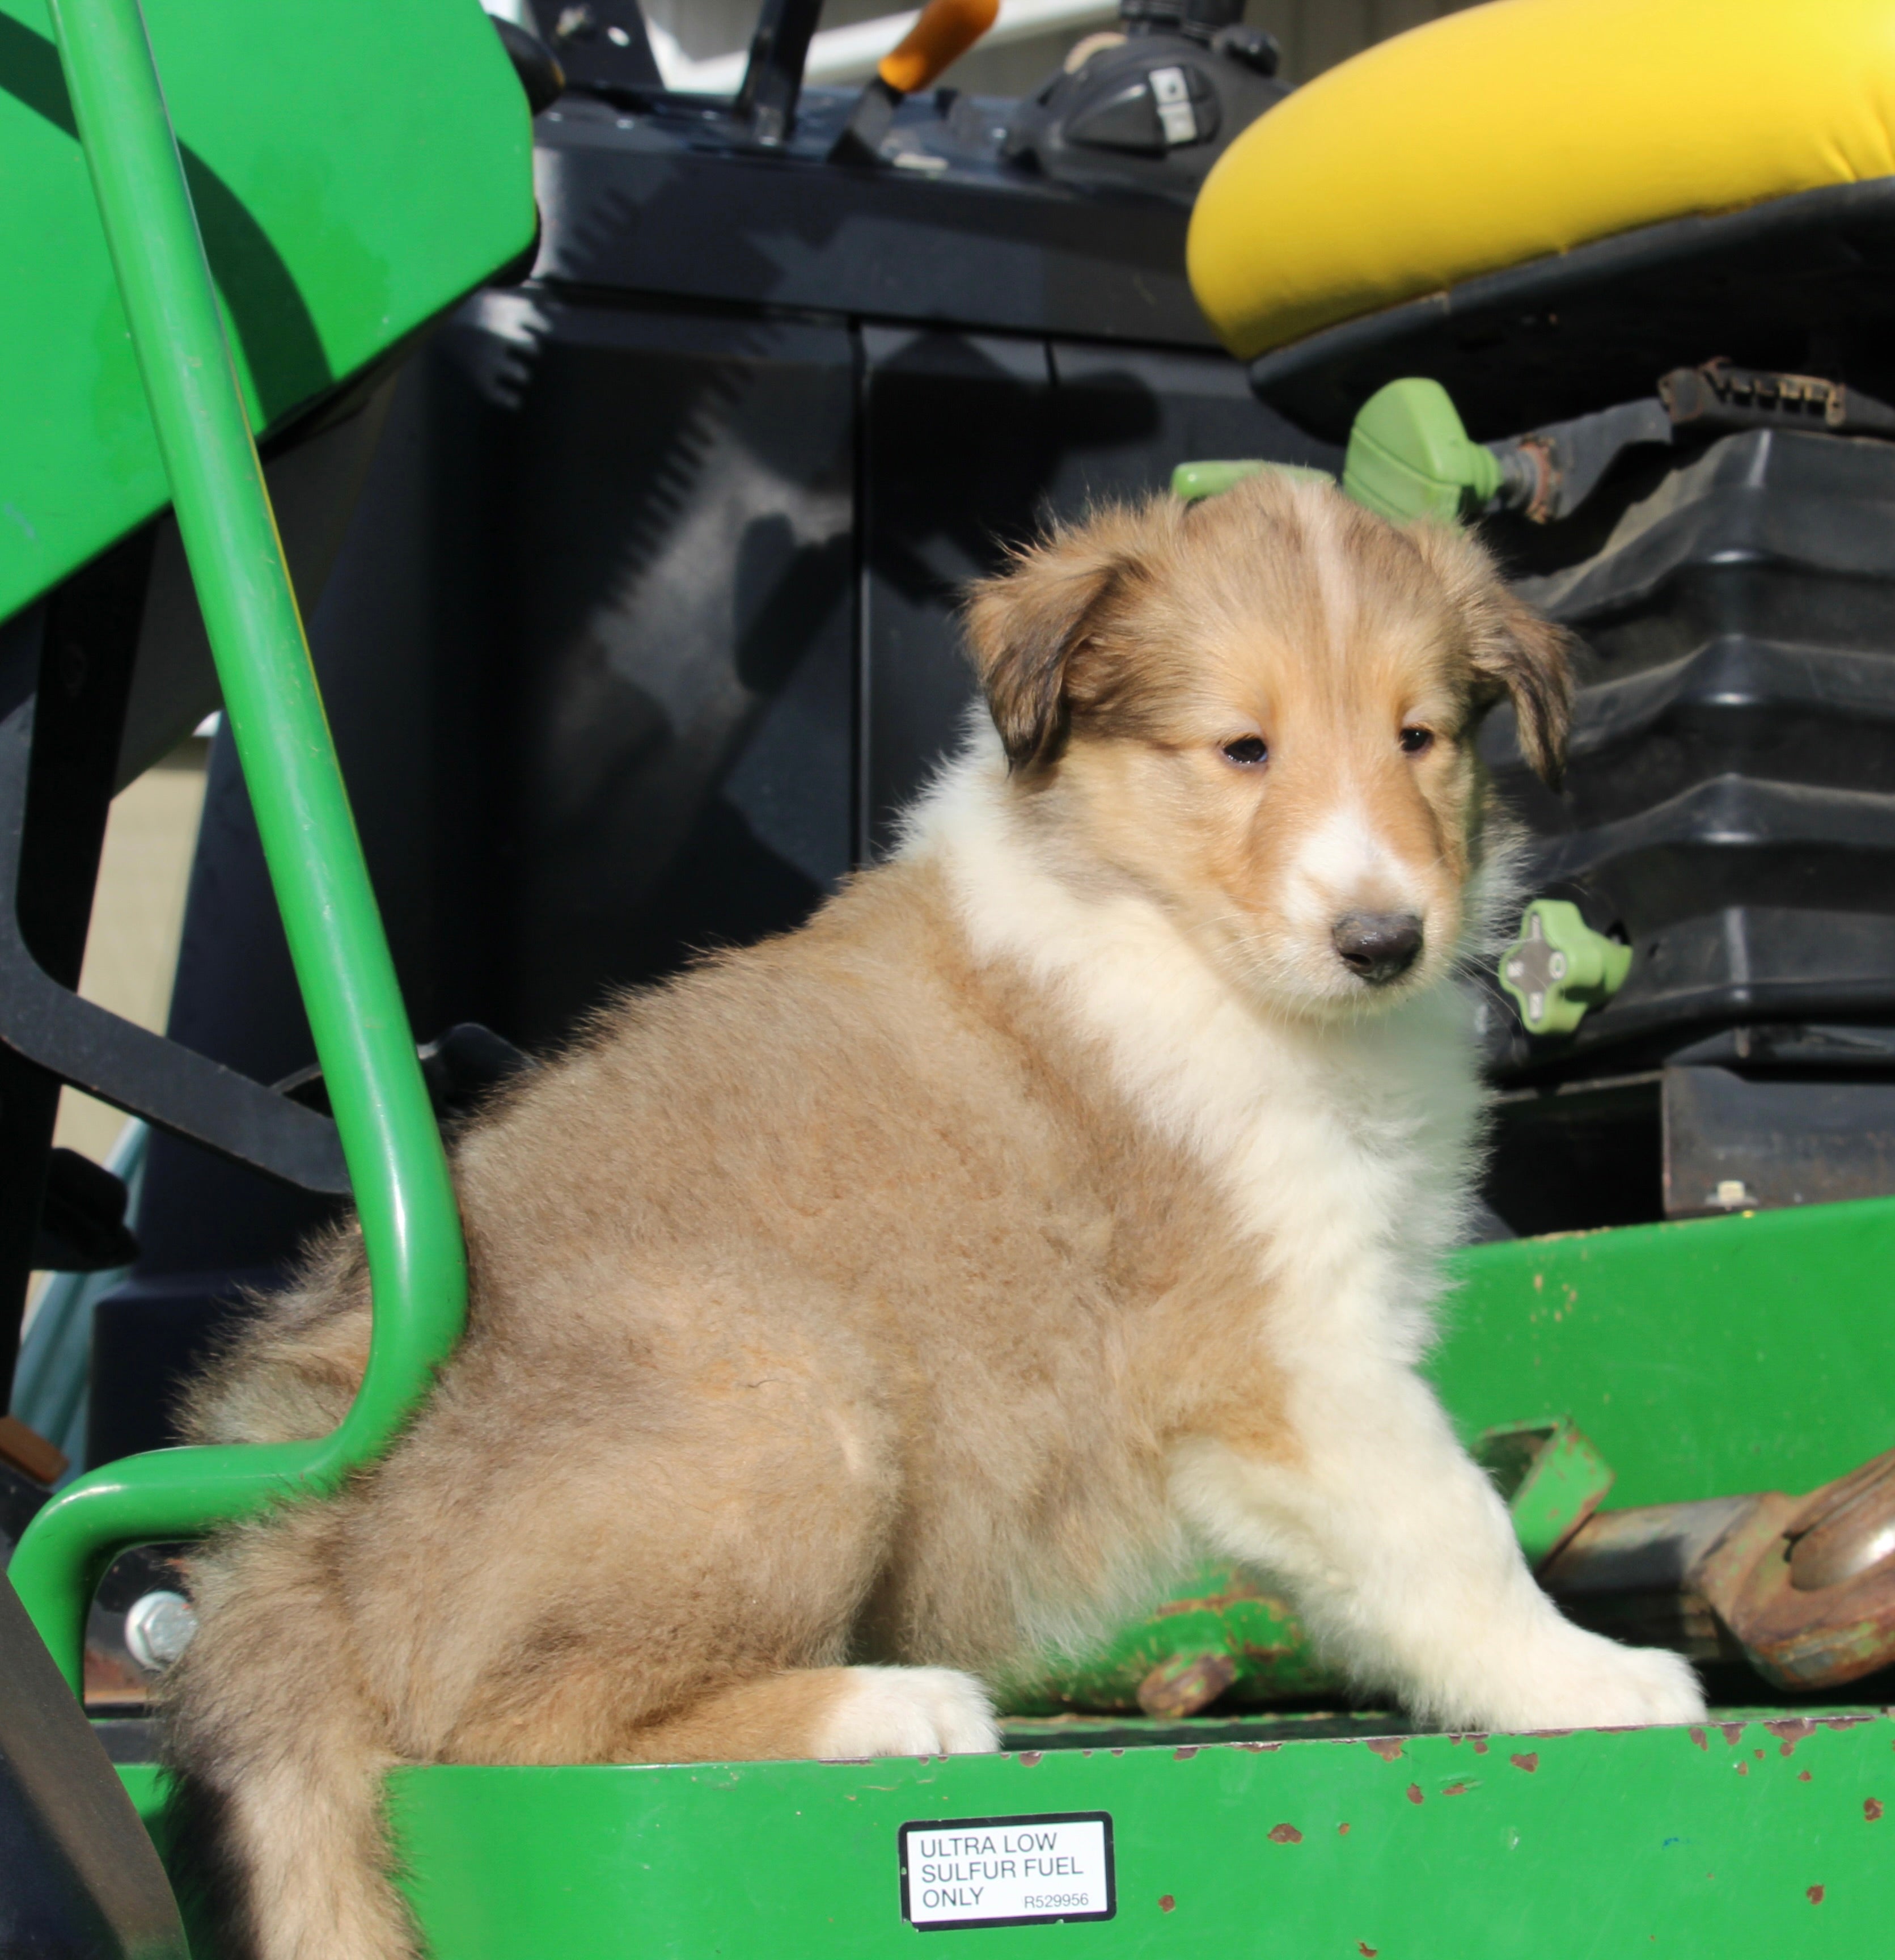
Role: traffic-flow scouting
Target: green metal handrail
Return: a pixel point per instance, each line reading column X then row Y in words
column 411, row 1228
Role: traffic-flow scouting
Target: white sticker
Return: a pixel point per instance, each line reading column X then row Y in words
column 1006, row 1871
column 1172, row 94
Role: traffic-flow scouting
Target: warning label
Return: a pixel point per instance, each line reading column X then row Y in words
column 1007, row 1871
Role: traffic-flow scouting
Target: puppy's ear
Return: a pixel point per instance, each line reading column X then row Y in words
column 1523, row 653
column 1514, row 650
column 1026, row 625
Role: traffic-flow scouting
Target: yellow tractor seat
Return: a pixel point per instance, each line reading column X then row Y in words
column 1520, row 148
column 1526, row 128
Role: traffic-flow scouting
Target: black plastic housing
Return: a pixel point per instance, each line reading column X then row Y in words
column 1730, row 799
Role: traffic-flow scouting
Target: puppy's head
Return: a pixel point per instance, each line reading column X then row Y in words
column 1260, row 711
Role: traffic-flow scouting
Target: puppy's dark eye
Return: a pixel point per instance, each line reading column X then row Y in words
column 1416, row 741
column 1247, row 751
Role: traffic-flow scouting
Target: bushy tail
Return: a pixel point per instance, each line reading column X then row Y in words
column 279, row 1755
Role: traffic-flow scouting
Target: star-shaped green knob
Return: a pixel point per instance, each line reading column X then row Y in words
column 1558, row 968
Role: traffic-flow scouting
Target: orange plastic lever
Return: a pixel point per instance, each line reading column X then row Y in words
column 944, row 31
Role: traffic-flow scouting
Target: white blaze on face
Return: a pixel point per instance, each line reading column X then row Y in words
column 1345, row 866
column 1336, row 574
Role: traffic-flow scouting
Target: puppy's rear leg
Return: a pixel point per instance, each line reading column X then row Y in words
column 832, row 1712
column 1403, row 1560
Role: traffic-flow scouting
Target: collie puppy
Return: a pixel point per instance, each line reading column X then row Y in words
column 865, row 1314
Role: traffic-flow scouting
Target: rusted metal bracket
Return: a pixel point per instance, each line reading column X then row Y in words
column 1802, row 1589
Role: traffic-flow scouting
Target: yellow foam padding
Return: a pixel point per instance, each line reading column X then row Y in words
column 1525, row 128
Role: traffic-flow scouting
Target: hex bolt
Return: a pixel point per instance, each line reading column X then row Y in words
column 158, row 1628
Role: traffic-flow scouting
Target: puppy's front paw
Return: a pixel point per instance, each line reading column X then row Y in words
column 908, row 1711
column 1591, row 1682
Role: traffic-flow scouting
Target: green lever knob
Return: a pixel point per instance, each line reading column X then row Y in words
column 1191, row 480
column 1409, row 457
column 1558, row 968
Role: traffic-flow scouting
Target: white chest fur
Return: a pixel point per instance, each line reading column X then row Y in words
column 1346, row 1147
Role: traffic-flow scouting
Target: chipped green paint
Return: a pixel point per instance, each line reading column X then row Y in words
column 1221, row 1637
column 1704, row 1359
column 1760, row 1837
column 1217, row 1614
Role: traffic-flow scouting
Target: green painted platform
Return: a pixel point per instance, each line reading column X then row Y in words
column 1705, row 1359
column 1721, row 1356
column 1763, row 1837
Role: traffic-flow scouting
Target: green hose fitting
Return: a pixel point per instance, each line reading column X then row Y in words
column 1559, row 968
column 1409, row 457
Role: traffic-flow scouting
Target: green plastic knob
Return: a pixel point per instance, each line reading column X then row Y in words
column 1409, row 457
column 1191, row 481
column 1559, row 968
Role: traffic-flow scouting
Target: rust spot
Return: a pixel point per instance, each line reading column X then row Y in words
column 1790, row 1733
column 1702, row 1740
column 1457, row 1790
column 1529, row 1763
column 1184, row 1752
column 1733, row 1733
column 1414, row 1792
column 1237, row 1592
column 1030, row 1759
column 1342, row 1830
column 1366, row 1950
column 1815, row 1895
column 1178, row 1688
column 1387, row 1748
column 1285, row 1834
column 1743, row 1769
column 1758, row 1754
column 1802, row 1776
column 1167, row 1903
column 1871, row 1809
column 1480, row 1746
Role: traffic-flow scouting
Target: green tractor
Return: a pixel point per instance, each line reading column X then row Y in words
column 625, row 458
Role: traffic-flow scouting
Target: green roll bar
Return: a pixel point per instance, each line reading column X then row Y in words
column 411, row 1228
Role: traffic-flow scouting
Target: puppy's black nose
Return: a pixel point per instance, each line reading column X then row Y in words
column 1381, row 946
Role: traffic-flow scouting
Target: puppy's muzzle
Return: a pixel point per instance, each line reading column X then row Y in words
column 1378, row 946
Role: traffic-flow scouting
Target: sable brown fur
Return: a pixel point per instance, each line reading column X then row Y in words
column 839, row 1302
column 698, row 1237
